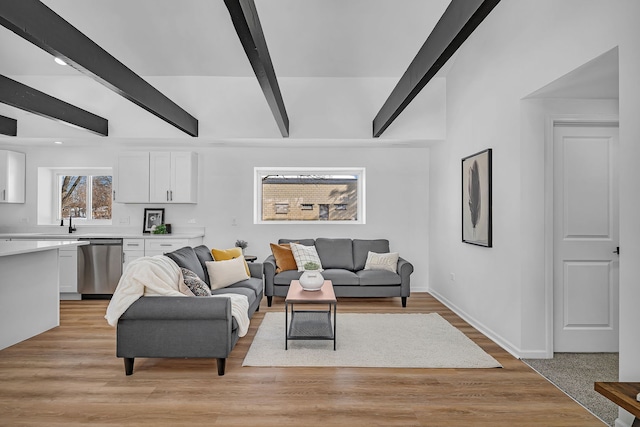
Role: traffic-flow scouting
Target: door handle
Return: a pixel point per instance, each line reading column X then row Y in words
column 617, row 251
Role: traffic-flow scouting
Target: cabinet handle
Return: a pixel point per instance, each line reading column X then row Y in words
column 166, row 244
column 133, row 244
column 4, row 194
column 114, row 195
column 167, row 195
column 171, row 193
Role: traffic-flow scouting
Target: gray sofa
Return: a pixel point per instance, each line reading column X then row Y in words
column 186, row 326
column 343, row 261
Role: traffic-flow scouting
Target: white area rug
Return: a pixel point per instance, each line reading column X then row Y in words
column 372, row 340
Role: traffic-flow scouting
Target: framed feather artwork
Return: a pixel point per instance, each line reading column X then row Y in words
column 476, row 199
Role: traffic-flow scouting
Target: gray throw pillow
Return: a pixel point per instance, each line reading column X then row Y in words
column 187, row 258
column 195, row 284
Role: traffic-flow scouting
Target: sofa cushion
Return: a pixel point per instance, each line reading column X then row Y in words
column 196, row 285
column 204, row 254
column 388, row 261
column 187, row 258
column 378, row 278
column 286, row 277
column 225, row 273
column 252, row 283
column 340, row 277
column 335, row 253
column 227, row 254
column 306, row 242
column 305, row 254
column 361, row 249
column 284, row 257
column 248, row 292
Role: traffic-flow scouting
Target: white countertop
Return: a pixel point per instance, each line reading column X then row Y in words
column 24, row 247
column 89, row 235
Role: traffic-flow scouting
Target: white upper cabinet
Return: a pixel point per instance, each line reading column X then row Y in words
column 12, row 177
column 133, row 178
column 158, row 177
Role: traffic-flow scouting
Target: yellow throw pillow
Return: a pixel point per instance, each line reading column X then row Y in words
column 227, row 254
column 284, row 257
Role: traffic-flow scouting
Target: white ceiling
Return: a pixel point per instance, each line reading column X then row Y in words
column 306, row 38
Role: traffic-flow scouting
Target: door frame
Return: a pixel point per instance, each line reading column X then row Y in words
column 601, row 120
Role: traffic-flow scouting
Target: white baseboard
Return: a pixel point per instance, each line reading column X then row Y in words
column 535, row 354
column 505, row 344
column 620, row 423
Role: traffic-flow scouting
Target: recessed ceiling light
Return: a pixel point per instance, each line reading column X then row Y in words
column 59, row 61
column 57, row 142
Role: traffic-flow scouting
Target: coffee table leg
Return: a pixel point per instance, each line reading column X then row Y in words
column 286, row 326
column 335, row 306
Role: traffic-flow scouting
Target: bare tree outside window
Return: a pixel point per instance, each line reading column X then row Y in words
column 74, row 196
column 79, row 191
column 101, row 197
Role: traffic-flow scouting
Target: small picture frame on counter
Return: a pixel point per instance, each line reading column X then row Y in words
column 152, row 217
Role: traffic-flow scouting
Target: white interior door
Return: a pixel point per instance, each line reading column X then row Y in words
column 585, row 239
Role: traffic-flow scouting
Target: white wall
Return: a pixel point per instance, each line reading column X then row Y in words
column 521, row 47
column 397, row 195
column 330, row 125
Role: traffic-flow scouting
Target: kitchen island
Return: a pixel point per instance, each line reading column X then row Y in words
column 29, row 288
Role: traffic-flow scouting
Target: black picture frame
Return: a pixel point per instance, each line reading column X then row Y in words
column 477, row 224
column 152, row 216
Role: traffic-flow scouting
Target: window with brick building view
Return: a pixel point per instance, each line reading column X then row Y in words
column 308, row 196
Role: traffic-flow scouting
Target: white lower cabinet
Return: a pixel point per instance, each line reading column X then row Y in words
column 68, row 270
column 131, row 249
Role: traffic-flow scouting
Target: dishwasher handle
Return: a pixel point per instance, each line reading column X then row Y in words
column 103, row 242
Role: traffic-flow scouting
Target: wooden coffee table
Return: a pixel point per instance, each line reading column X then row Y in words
column 310, row 324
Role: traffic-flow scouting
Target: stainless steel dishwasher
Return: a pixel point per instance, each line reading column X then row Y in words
column 99, row 267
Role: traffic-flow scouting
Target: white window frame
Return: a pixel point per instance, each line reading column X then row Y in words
column 260, row 172
column 57, row 197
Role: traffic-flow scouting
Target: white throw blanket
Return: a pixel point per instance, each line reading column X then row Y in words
column 161, row 276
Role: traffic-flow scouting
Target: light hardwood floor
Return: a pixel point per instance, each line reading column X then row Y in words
column 69, row 376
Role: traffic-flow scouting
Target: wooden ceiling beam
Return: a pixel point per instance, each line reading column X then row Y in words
column 457, row 23
column 8, row 126
column 26, row 98
column 35, row 22
column 247, row 24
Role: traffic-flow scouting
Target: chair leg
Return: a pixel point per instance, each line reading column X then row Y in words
column 221, row 365
column 404, row 301
column 128, row 365
column 269, row 299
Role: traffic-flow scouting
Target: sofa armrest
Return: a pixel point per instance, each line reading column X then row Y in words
column 269, row 266
column 255, row 268
column 405, row 268
column 178, row 308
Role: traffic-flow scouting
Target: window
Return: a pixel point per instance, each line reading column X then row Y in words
column 282, row 208
column 286, row 195
column 86, row 197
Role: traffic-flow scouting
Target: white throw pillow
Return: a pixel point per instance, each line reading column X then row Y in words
column 225, row 273
column 304, row 254
column 376, row 261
